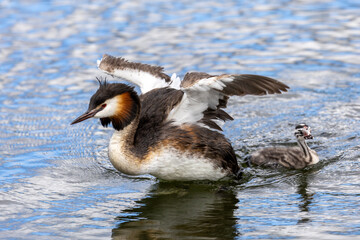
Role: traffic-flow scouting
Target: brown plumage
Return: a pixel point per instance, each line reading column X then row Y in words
column 242, row 84
column 289, row 157
column 170, row 131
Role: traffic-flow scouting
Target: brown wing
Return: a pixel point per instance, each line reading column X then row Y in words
column 206, row 95
column 240, row 84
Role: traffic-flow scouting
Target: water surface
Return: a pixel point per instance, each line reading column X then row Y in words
column 56, row 181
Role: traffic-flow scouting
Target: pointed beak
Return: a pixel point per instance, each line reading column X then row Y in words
column 309, row 137
column 87, row 115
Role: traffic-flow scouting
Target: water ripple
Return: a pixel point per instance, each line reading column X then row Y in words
column 56, row 180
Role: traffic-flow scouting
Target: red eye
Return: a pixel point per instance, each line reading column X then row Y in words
column 104, row 105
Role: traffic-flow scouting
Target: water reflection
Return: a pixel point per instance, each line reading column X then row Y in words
column 189, row 211
column 306, row 196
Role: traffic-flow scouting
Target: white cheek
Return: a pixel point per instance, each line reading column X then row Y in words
column 109, row 110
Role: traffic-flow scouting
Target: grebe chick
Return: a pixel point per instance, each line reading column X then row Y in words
column 291, row 157
column 171, row 130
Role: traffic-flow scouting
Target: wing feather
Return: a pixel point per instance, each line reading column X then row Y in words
column 205, row 95
column 147, row 77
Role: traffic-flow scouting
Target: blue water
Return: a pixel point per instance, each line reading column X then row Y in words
column 56, row 181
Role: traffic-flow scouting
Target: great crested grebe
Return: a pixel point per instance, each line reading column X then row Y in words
column 291, row 157
column 171, row 130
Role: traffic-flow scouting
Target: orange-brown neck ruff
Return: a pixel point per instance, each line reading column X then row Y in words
column 126, row 110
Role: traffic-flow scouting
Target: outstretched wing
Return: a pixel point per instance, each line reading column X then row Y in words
column 147, row 77
column 206, row 95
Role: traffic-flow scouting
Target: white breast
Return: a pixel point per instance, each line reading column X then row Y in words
column 166, row 163
column 171, row 164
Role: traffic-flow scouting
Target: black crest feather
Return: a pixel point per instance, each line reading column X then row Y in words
column 102, row 81
column 108, row 90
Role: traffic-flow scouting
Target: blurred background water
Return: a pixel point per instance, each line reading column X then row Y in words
column 56, row 181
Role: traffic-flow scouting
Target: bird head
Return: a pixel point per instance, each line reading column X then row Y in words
column 112, row 102
column 303, row 130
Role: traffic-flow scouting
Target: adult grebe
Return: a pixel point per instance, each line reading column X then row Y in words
column 171, row 130
column 291, row 157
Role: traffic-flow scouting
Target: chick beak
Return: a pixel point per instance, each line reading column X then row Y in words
column 309, row 137
column 307, row 134
column 86, row 115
